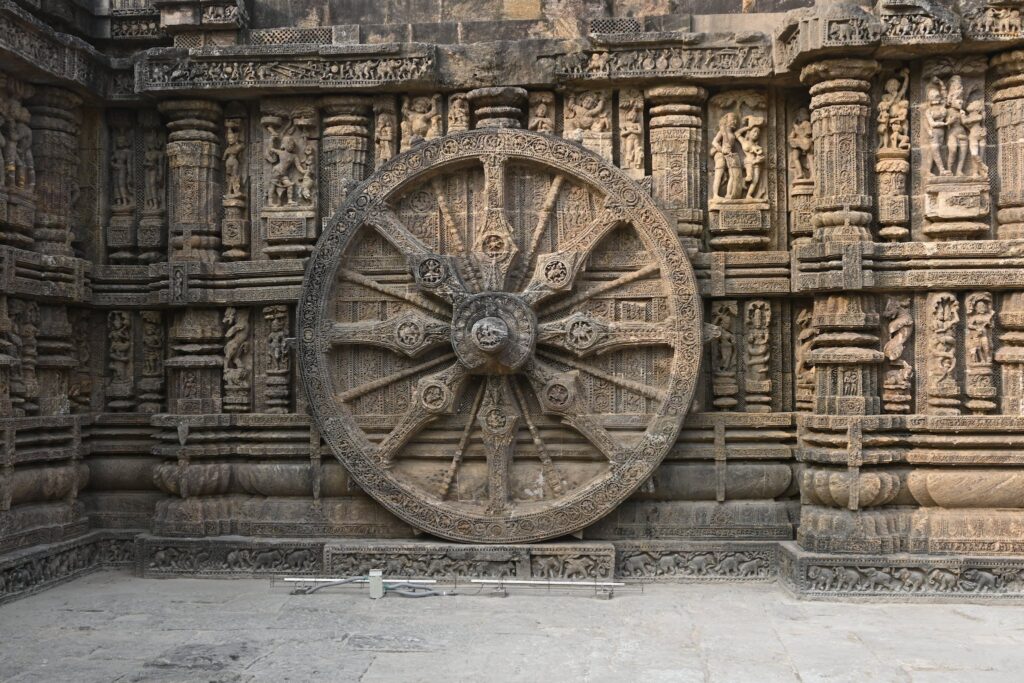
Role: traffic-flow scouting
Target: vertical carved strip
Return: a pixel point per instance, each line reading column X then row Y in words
column 345, row 149
column 943, row 311
column 237, row 360
column 196, row 363
column 1008, row 108
column 897, row 387
column 385, row 129
column 978, row 356
column 234, row 228
column 152, row 228
column 846, row 348
column 677, row 157
column 631, row 132
column 121, row 233
column 893, row 157
column 757, row 382
column 801, row 174
column 278, row 361
column 1010, row 355
column 55, row 123
column 54, row 360
column 151, row 383
column 120, row 362
column 194, row 185
column 19, row 166
column 804, row 369
column 725, row 368
column 289, row 197
column 8, row 361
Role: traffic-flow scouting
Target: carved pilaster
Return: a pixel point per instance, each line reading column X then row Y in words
column 17, row 216
column 677, row 156
column 234, row 228
column 846, row 352
column 804, row 371
column 979, row 315
column 943, row 320
column 801, row 177
column 840, row 107
column 194, row 179
column 196, row 362
column 757, row 381
column 8, row 360
column 1010, row 355
column 344, row 149
column 725, row 356
column 25, row 318
column 55, row 125
column 498, row 107
column 55, row 360
column 1008, row 108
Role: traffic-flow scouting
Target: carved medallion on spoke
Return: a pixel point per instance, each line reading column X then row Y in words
column 499, row 336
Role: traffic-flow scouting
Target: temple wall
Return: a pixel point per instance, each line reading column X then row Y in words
column 845, row 182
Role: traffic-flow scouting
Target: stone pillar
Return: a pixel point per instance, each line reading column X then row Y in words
column 677, row 155
column 498, row 107
column 55, row 360
column 195, row 192
column 1010, row 355
column 1008, row 107
column 846, row 354
column 17, row 215
column 344, row 149
column 55, row 124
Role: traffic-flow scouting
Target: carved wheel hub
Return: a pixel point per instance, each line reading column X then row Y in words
column 499, row 336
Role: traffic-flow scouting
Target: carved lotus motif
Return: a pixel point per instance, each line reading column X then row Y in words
column 491, row 341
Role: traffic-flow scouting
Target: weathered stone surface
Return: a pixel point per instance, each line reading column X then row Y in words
column 501, row 272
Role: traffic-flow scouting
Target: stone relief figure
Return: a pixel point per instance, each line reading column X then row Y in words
column 725, row 348
column 233, row 149
column 632, row 130
column 935, row 113
column 901, row 326
column 122, row 170
column 801, row 146
column 155, row 172
column 152, row 343
column 757, row 355
column 980, row 316
column 956, row 126
column 458, row 113
column 893, row 112
column 945, row 315
column 21, row 166
column 542, row 115
column 120, row 347
column 749, row 136
column 284, row 163
column 384, row 135
column 277, row 343
column 4, row 153
column 421, row 119
column 974, row 119
column 896, row 384
column 728, row 167
column 236, row 338
column 805, row 342
column 587, row 111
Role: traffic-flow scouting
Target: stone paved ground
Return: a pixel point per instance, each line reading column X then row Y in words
column 115, row 627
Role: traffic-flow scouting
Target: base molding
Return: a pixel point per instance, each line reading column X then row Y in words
column 900, row 576
column 805, row 575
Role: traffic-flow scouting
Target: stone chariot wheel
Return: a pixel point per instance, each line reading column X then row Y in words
column 499, row 336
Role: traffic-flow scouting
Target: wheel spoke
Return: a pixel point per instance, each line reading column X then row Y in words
column 577, row 299
column 495, row 248
column 540, row 227
column 388, row 224
column 640, row 388
column 551, row 475
column 586, row 335
column 499, row 424
column 410, row 297
column 363, row 389
column 435, row 395
column 559, row 393
column 436, row 274
column 449, row 476
column 453, row 230
column 411, row 333
column 555, row 274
